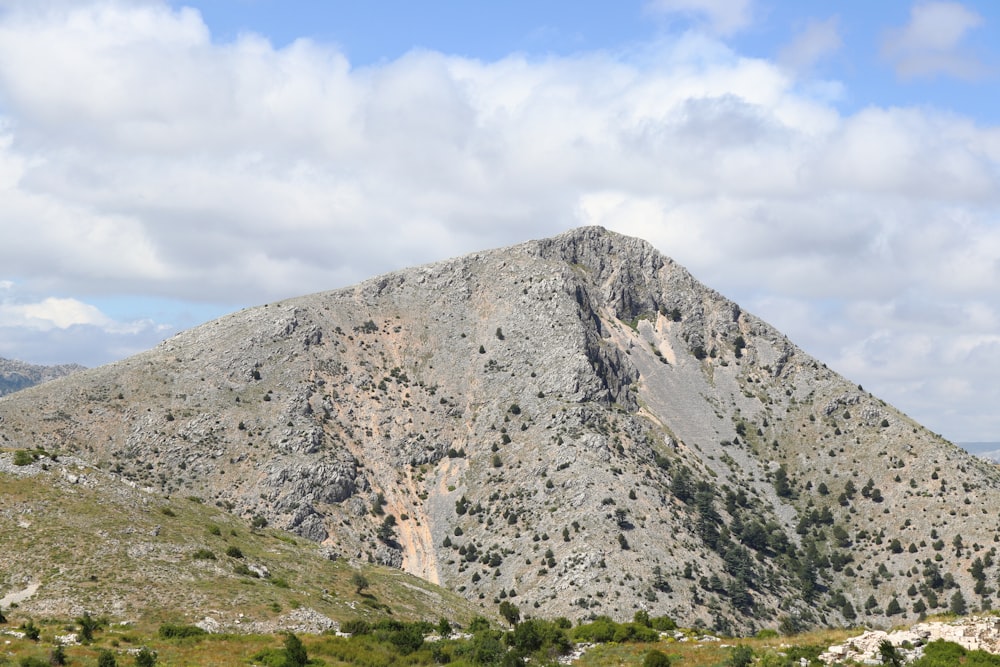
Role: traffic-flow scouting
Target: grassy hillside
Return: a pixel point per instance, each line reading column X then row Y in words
column 92, row 542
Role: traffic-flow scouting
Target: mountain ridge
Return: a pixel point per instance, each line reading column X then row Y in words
column 16, row 375
column 573, row 421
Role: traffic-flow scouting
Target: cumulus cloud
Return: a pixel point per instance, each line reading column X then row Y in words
column 931, row 43
column 139, row 157
column 724, row 17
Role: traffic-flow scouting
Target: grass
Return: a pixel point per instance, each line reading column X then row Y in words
column 120, row 552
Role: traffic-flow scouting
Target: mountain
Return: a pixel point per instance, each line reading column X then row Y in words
column 575, row 423
column 16, row 375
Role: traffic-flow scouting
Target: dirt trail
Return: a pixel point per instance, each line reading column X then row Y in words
column 18, row 597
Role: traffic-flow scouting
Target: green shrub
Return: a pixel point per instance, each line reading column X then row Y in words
column 31, row 631
column 203, row 554
column 172, row 631
column 22, row 457
column 106, row 659
column 145, row 658
column 295, row 651
column 356, row 626
column 234, row 552
column 656, row 659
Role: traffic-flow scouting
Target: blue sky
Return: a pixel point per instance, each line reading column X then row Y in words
column 832, row 166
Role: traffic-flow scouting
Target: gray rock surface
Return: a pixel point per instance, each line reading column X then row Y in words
column 575, row 421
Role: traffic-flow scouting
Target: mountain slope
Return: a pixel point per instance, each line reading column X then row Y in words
column 575, row 421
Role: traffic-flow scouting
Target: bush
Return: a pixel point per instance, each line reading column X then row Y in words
column 106, row 659
column 234, row 552
column 656, row 659
column 145, row 658
column 356, row 626
column 740, row 656
column 31, row 631
column 58, row 655
column 32, row 661
column 295, row 651
column 22, row 457
column 203, row 554
column 171, row 631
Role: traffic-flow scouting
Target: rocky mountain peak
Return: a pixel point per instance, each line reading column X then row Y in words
column 573, row 421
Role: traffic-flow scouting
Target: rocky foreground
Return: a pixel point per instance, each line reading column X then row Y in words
column 975, row 633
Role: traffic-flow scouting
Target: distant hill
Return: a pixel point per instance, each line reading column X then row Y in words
column 575, row 423
column 17, row 375
column 986, row 450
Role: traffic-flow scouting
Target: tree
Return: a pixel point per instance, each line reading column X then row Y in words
column 893, row 608
column 510, row 612
column 444, row 628
column 656, row 658
column 889, row 654
column 360, row 582
column 58, row 655
column 387, row 531
column 87, row 625
column 295, row 651
column 3, row 619
column 31, row 631
column 958, row 606
column 781, row 484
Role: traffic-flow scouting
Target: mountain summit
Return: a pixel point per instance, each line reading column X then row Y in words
column 575, row 423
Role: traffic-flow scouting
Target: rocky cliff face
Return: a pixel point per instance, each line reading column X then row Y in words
column 576, row 422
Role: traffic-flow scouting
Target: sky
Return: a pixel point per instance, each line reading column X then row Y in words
column 832, row 166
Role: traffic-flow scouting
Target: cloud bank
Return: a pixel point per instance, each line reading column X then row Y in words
column 140, row 158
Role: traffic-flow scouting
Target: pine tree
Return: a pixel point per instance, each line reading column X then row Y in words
column 958, row 606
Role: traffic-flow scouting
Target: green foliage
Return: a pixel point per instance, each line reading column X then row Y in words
column 32, row 661
column 543, row 638
column 940, row 653
column 173, row 631
column 203, row 554
column 88, row 624
column 295, row 651
column 387, row 531
column 740, row 655
column 106, row 659
column 31, row 631
column 360, row 582
column 510, row 612
column 258, row 522
column 958, row 606
column 656, row 658
column 234, row 551
column 145, row 658
column 602, row 630
column 889, row 654
column 356, row 626
column 22, row 457
column 58, row 655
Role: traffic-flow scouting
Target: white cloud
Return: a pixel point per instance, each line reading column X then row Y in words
column 724, row 17
column 137, row 157
column 51, row 313
column 816, row 41
column 931, row 43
